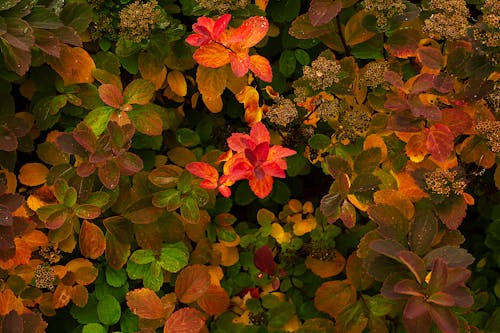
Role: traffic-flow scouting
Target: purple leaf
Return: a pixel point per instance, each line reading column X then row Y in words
column 130, row 163
column 441, row 298
column 263, row 259
column 408, row 287
column 414, row 263
column 422, row 83
column 416, row 318
column 444, row 319
column 323, row 11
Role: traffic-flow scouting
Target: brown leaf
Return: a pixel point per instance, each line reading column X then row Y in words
column 333, row 297
column 33, row 174
column 145, row 303
column 185, row 320
column 192, row 282
column 214, row 301
column 74, row 65
column 91, row 240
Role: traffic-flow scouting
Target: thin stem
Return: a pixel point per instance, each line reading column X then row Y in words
column 342, row 39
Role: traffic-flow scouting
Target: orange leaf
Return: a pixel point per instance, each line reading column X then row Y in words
column 357, row 274
column 213, row 103
column 9, row 301
column 228, row 255
column 62, row 296
column 212, row 55
column 22, row 257
column 211, row 82
column 416, row 148
column 152, row 69
column 85, row 272
column 91, row 240
column 409, row 187
column 33, row 174
column 185, row 320
column 192, row 282
column 215, row 300
column 145, row 303
column 74, row 65
column 79, row 295
column 396, row 199
column 376, row 141
column 333, row 297
column 11, row 180
column 326, row 268
column 261, row 68
column 177, row 83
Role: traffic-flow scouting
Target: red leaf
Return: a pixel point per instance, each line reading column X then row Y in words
column 91, row 240
column 145, row 303
column 215, row 300
column 452, row 212
column 185, row 320
column 416, row 317
column 444, row 319
column 323, row 11
column 456, row 120
column 261, row 187
column 440, row 142
column 111, row 95
column 205, row 171
column 430, row 57
column 403, row 43
column 192, row 282
column 249, row 33
column 263, row 259
column 239, row 63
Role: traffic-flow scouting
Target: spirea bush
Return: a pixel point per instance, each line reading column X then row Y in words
column 240, row 166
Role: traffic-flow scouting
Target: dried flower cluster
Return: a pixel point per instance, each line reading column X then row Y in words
column 102, row 26
column 384, row 10
column 44, row 276
column 353, row 122
column 373, row 73
column 493, row 99
column 491, row 131
column 50, row 254
column 444, row 182
column 282, row 112
column 322, row 73
column 223, row 6
column 488, row 30
column 137, row 20
column 449, row 20
column 328, row 109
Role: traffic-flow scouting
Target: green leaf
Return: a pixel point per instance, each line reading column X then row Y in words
column 187, row 137
column 70, row 197
column 109, row 310
column 319, row 141
column 153, row 277
column 190, row 210
column 243, row 195
column 136, row 271
column 94, row 328
column 280, row 193
column 129, row 322
column 284, row 11
column 7, row 4
column 87, row 314
column 115, row 278
column 287, row 63
column 142, row 257
column 184, row 183
column 174, row 257
column 77, row 15
column 146, row 120
column 169, row 199
column 302, row 57
column 139, row 92
column 98, row 119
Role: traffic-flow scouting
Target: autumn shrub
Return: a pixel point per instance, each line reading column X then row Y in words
column 249, row 166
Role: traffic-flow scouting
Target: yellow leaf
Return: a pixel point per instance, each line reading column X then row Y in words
column 279, row 233
column 292, row 325
column 216, row 274
column 304, row 226
column 177, row 83
column 33, row 174
column 396, row 199
column 211, row 81
column 152, row 70
column 355, row 32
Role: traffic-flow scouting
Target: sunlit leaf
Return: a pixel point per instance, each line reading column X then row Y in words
column 33, row 174
column 139, row 92
column 177, row 83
